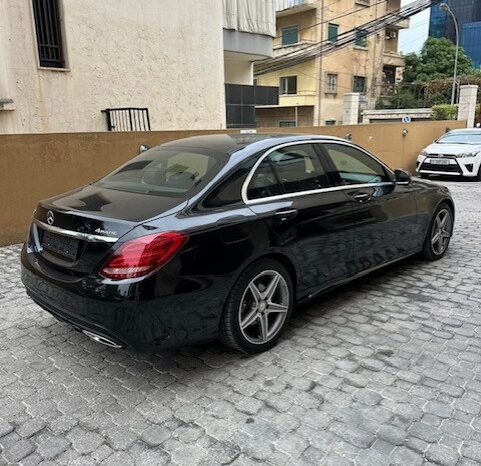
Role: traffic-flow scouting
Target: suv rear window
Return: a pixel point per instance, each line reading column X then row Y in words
column 166, row 172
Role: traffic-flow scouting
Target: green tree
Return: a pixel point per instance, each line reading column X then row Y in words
column 411, row 63
column 436, row 61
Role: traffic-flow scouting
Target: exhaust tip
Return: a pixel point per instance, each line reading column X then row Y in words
column 101, row 339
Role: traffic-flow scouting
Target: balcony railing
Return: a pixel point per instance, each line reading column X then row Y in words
column 286, row 4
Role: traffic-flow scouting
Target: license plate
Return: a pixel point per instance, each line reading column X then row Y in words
column 62, row 245
column 440, row 161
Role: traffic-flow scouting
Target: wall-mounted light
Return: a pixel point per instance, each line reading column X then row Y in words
column 405, row 132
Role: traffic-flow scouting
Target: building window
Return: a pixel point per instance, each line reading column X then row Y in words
column 288, row 85
column 287, row 124
column 332, row 32
column 359, row 84
column 330, row 122
column 49, row 33
column 331, row 83
column 290, row 35
column 361, row 40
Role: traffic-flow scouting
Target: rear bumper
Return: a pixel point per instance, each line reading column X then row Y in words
column 130, row 315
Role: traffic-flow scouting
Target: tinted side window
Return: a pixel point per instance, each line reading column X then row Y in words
column 356, row 167
column 299, row 168
column 264, row 183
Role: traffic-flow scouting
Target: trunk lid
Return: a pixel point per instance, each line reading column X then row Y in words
column 73, row 232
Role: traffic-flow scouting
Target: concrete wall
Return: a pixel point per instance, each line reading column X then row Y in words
column 237, row 70
column 166, row 55
column 38, row 166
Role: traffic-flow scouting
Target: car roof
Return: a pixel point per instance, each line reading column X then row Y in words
column 465, row 130
column 230, row 143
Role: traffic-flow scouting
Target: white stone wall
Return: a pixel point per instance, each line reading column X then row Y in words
column 166, row 55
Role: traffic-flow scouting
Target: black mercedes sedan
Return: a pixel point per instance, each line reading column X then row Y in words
column 221, row 236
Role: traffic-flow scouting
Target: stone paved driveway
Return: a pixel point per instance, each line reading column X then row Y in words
column 384, row 371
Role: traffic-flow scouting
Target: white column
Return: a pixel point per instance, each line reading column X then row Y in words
column 352, row 102
column 468, row 96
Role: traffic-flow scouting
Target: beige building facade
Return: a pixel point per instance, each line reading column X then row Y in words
column 313, row 92
column 64, row 62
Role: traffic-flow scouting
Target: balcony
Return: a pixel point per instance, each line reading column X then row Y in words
column 280, row 50
column 393, row 59
column 292, row 7
column 403, row 24
column 301, row 99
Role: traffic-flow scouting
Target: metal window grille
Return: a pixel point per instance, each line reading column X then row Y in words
column 49, row 33
column 331, row 82
column 127, row 119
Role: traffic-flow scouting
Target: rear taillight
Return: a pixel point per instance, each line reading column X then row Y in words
column 141, row 256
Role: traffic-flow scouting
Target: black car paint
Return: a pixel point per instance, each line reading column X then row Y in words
column 332, row 238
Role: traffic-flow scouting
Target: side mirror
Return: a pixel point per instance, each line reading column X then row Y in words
column 143, row 148
column 402, row 176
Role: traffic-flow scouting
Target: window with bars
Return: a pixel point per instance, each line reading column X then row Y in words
column 127, row 119
column 331, row 83
column 49, row 33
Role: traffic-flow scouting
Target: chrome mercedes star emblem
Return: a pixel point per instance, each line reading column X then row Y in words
column 50, row 217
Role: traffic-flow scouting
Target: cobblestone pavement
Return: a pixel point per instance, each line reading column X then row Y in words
column 384, row 371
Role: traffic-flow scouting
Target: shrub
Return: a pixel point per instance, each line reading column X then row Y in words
column 445, row 112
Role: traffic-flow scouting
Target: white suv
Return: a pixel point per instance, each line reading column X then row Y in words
column 457, row 153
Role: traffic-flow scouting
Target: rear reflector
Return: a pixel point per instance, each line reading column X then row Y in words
column 141, row 256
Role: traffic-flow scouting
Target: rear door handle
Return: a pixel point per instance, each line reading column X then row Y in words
column 285, row 214
column 361, row 196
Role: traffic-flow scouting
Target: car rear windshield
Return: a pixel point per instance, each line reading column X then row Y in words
column 461, row 138
column 173, row 172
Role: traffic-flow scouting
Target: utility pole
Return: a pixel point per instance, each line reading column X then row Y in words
column 319, row 84
column 445, row 7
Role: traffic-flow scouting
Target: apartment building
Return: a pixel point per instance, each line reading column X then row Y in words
column 313, row 92
column 121, row 65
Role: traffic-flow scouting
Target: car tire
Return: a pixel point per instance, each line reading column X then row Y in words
column 258, row 308
column 478, row 176
column 434, row 247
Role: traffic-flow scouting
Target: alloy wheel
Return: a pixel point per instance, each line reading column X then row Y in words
column 441, row 231
column 264, row 307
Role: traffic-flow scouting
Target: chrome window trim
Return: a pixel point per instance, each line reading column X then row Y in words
column 76, row 234
column 313, row 191
column 318, row 191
